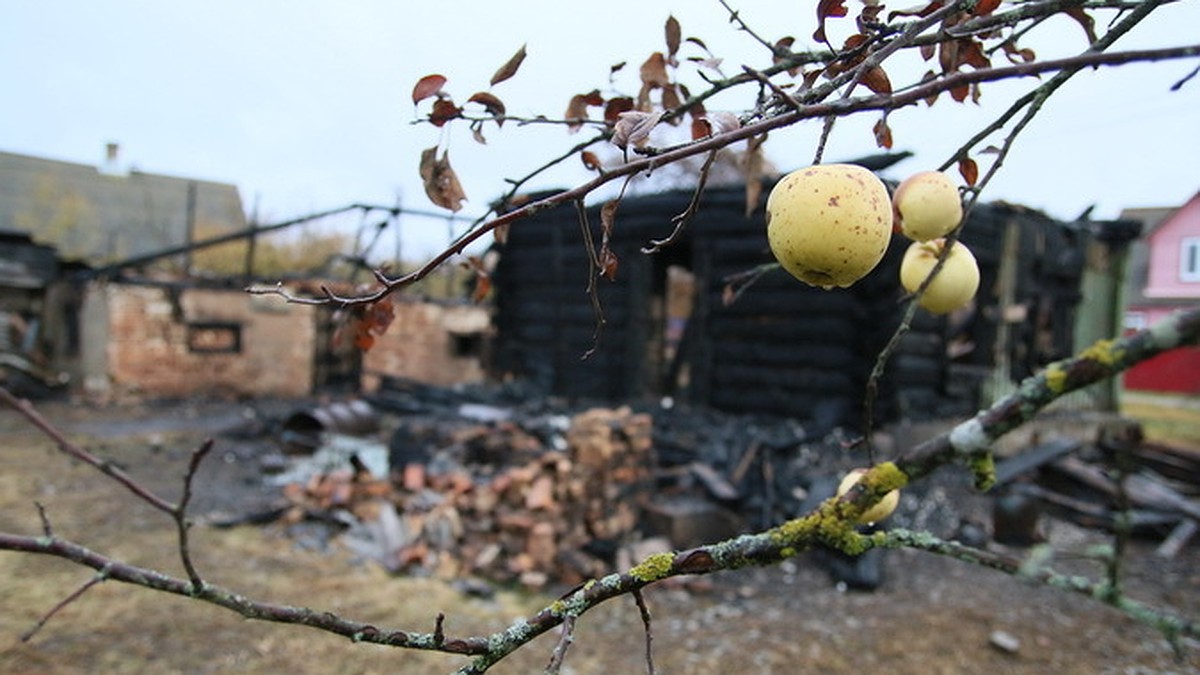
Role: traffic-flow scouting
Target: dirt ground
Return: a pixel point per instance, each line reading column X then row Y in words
column 932, row 615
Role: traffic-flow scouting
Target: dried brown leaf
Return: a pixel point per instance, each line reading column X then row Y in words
column 576, row 113
column 510, row 67
column 591, row 161
column 673, row 36
column 781, row 50
column 960, row 93
column 491, row 103
column 606, row 260
column 634, row 127
column 753, row 164
column 883, row 133
column 877, row 81
column 948, row 56
column 441, row 183
column 443, row 111
column 671, row 101
column 614, row 108
column 985, row 7
column 483, row 279
column 1019, row 55
column 827, row 9
column 868, row 18
column 477, row 134
column 971, row 53
column 969, row 170
column 654, row 71
column 427, row 86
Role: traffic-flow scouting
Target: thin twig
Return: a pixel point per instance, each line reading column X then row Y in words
column 30, row 413
column 565, row 638
column 681, row 220
column 75, row 595
column 180, row 513
column 644, row 612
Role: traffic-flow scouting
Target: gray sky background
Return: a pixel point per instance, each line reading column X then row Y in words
column 305, row 105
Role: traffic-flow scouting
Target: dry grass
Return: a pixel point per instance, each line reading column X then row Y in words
column 1169, row 419
column 933, row 616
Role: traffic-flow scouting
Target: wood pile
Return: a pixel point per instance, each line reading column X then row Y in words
column 548, row 513
column 1120, row 480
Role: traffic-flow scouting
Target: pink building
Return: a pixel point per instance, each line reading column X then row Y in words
column 1164, row 276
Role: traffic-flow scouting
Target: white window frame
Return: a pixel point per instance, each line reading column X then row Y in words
column 1189, row 259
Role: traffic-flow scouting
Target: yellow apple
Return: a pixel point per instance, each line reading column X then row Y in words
column 829, row 224
column 882, row 509
column 954, row 285
column 927, row 206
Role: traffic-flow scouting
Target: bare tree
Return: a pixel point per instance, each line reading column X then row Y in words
column 968, row 45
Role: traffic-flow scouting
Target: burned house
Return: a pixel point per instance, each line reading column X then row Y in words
column 678, row 324
column 133, row 317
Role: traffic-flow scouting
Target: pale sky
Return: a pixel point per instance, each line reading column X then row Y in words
column 305, row 105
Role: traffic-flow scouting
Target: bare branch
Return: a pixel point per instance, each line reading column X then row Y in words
column 26, row 409
column 180, row 513
column 644, row 612
column 75, row 595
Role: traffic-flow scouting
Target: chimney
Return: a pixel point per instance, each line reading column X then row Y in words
column 112, row 154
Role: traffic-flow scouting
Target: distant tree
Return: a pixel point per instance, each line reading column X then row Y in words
column 275, row 255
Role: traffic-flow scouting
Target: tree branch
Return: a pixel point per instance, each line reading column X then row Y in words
column 909, row 96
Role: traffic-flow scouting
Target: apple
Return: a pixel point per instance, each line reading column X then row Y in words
column 926, row 206
column 882, row 508
column 829, row 224
column 954, row 285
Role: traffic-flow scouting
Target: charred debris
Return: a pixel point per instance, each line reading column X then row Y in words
column 488, row 484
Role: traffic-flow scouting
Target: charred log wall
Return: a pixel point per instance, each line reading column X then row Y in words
column 782, row 347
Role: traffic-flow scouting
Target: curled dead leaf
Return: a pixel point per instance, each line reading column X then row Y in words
column 969, row 170
column 576, row 113
column 673, row 35
column 615, row 106
column 441, row 183
column 482, row 283
column 883, row 133
column 427, row 86
column 1018, row 54
column 877, row 80
column 493, row 105
column 606, row 260
column 634, row 127
column 590, row 161
column 827, row 9
column 754, row 164
column 654, row 71
column 510, row 67
column 671, row 100
column 443, row 111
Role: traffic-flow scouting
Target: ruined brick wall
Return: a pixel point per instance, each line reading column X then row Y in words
column 440, row 344
column 175, row 343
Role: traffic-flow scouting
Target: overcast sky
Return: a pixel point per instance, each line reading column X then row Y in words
column 306, row 105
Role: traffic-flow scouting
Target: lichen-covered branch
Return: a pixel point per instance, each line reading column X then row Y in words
column 1105, row 359
column 832, row 524
column 1171, row 625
